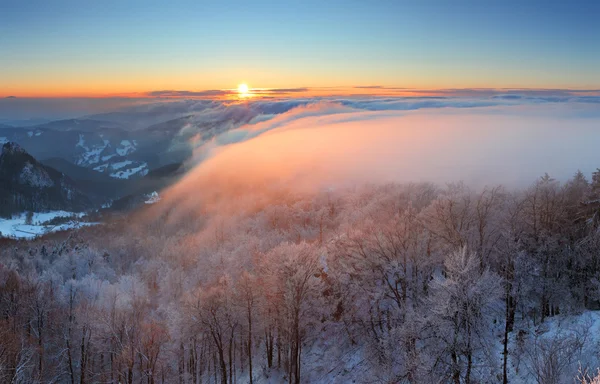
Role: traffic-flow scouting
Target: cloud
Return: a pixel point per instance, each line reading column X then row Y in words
column 330, row 145
column 284, row 90
column 372, row 91
column 369, row 87
column 220, row 93
column 281, row 100
column 207, row 93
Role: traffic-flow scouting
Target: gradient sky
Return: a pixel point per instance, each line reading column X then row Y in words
column 91, row 48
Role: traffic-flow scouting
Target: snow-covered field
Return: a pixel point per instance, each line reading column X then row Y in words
column 16, row 227
column 564, row 344
column 140, row 170
column 121, row 164
column 91, row 154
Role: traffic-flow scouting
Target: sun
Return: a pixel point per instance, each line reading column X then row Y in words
column 243, row 89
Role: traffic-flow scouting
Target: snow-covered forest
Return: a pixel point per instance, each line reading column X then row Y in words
column 388, row 283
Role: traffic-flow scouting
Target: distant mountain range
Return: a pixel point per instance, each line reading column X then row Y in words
column 105, row 147
column 56, row 184
column 116, row 156
column 116, row 147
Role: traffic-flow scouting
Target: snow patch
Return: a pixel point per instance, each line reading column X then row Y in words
column 101, row 168
column 17, row 229
column 140, row 170
column 81, row 142
column 121, row 164
column 91, row 156
column 125, row 148
column 152, row 198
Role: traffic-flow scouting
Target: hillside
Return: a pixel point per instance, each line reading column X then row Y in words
column 27, row 185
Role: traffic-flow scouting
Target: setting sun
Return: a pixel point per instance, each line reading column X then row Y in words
column 394, row 191
column 243, row 89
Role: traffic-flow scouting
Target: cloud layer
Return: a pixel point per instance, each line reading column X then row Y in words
column 332, row 145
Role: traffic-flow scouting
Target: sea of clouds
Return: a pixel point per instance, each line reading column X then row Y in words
column 339, row 142
column 480, row 137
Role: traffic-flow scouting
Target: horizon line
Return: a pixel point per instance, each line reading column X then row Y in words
column 326, row 91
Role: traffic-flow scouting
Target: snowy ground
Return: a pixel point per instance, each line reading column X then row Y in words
column 140, row 170
column 16, row 227
column 562, row 344
column 91, row 154
column 570, row 342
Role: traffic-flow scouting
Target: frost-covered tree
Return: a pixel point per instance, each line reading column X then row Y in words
column 294, row 286
column 463, row 300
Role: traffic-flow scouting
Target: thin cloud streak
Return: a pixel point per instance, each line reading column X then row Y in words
column 378, row 90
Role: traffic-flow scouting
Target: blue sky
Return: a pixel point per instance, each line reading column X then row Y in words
column 135, row 46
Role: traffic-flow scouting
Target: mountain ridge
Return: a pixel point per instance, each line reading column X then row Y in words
column 28, row 185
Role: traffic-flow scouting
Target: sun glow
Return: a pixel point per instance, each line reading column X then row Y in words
column 243, row 89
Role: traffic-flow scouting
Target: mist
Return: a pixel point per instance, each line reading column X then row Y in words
column 328, row 145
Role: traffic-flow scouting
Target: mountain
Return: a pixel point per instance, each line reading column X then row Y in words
column 28, row 185
column 100, row 187
column 117, row 149
column 24, row 122
column 169, row 170
column 102, row 146
column 80, row 125
column 74, row 171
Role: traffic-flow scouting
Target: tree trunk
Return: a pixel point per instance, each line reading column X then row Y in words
column 250, row 346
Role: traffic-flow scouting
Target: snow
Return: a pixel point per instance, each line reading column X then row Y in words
column 30, row 134
column 127, row 148
column 585, row 326
column 38, row 133
column 153, row 198
column 91, row 156
column 97, row 154
column 140, row 170
column 16, row 227
column 3, row 140
column 121, row 164
column 101, row 168
column 35, row 177
column 327, row 361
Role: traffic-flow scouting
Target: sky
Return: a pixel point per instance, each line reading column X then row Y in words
column 66, row 48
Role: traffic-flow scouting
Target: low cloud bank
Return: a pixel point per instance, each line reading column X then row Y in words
column 330, row 145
